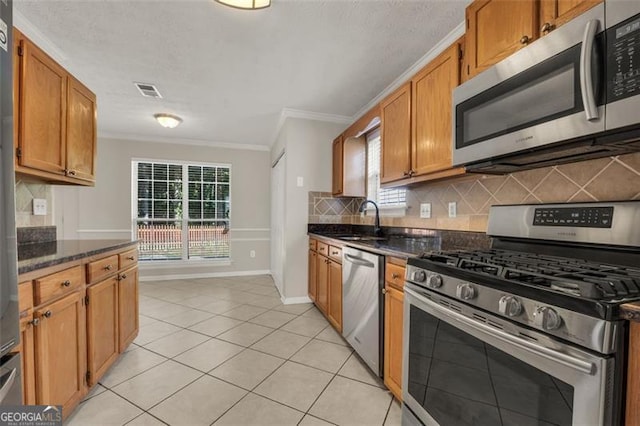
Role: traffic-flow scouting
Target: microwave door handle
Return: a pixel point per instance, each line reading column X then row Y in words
column 586, row 77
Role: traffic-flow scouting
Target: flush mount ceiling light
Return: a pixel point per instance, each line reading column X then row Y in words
column 167, row 120
column 246, row 4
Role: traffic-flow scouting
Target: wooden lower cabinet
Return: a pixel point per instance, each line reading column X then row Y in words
column 393, row 325
column 28, row 361
column 128, row 325
column 313, row 271
column 322, row 284
column 60, row 352
column 334, row 314
column 102, row 328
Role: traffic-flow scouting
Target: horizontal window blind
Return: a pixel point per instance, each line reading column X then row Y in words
column 384, row 197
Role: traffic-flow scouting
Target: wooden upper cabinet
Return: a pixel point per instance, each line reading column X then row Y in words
column 81, row 131
column 349, row 166
column 55, row 119
column 395, row 131
column 496, row 29
column 431, row 116
column 554, row 13
column 43, row 98
column 337, row 166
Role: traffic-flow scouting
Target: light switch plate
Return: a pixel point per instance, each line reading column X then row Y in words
column 425, row 210
column 39, row 207
column 453, row 209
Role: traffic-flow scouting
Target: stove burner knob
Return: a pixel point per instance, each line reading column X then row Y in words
column 419, row 276
column 509, row 306
column 465, row 291
column 547, row 318
column 434, row 281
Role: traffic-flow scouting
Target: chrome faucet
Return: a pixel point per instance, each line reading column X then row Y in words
column 377, row 231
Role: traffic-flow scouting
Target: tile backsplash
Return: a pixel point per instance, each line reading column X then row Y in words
column 25, row 193
column 604, row 179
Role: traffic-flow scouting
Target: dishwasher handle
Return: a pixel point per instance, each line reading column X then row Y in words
column 359, row 261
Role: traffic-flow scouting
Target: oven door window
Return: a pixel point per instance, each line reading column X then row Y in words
column 460, row 380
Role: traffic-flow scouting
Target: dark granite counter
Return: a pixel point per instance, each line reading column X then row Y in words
column 401, row 242
column 41, row 255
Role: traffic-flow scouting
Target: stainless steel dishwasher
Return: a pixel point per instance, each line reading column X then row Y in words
column 362, row 318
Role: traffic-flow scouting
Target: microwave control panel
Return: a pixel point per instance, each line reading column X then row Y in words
column 623, row 60
column 582, row 217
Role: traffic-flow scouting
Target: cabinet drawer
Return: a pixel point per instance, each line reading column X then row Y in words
column 25, row 296
column 312, row 244
column 394, row 275
column 323, row 248
column 102, row 268
column 127, row 258
column 335, row 253
column 55, row 285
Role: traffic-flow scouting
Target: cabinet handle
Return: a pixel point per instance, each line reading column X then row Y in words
column 395, row 276
column 66, row 283
column 408, row 173
column 72, row 172
column 547, row 27
column 34, row 322
column 47, row 314
column 384, row 291
column 525, row 39
column 123, row 276
column 131, row 258
column 334, row 253
column 107, row 268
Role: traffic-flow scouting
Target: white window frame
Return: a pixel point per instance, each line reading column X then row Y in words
column 134, row 212
column 388, row 210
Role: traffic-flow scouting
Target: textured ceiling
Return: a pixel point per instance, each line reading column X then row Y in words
column 229, row 73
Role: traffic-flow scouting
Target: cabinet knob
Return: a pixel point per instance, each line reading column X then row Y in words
column 66, row 283
column 395, row 276
column 384, row 291
column 34, row 322
column 47, row 314
column 335, row 253
column 72, row 172
column 131, row 258
column 107, row 268
column 525, row 39
column 407, row 173
column 547, row 27
column 123, row 276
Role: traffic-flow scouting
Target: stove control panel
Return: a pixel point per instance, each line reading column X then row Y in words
column 581, row 217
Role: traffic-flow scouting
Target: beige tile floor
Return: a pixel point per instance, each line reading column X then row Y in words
column 226, row 351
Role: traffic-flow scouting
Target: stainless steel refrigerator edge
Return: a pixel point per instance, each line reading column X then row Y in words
column 363, row 305
column 10, row 383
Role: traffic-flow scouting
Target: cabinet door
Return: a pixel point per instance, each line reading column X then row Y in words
column 432, row 90
column 102, row 327
column 43, row 96
column 60, row 352
column 81, row 132
column 28, row 361
column 496, row 29
column 313, row 274
column 395, row 134
column 554, row 13
column 393, row 317
column 128, row 307
column 335, row 295
column 338, row 165
column 322, row 284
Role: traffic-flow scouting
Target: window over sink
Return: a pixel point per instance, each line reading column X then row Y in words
column 181, row 210
column 392, row 201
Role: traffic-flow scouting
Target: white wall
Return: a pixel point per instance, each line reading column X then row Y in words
column 104, row 211
column 308, row 155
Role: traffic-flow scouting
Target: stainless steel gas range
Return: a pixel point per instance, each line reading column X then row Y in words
column 529, row 331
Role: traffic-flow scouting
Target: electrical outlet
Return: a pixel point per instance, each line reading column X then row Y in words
column 452, row 209
column 300, row 181
column 252, row 253
column 39, row 207
column 425, row 210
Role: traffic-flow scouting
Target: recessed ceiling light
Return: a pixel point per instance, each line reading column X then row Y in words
column 167, row 120
column 246, row 4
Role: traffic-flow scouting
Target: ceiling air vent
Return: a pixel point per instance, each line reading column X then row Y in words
column 148, row 90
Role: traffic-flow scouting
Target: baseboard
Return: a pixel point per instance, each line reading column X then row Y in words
column 295, row 300
column 204, row 275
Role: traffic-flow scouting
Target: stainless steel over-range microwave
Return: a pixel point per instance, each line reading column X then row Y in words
column 573, row 94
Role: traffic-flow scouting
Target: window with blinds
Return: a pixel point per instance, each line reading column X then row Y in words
column 384, row 197
column 183, row 210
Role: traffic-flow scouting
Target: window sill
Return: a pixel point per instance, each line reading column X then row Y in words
column 398, row 210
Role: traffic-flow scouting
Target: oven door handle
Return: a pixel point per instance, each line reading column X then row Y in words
column 547, row 353
column 586, row 77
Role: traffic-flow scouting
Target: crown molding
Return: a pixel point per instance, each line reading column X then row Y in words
column 183, row 141
column 34, row 34
column 307, row 115
column 455, row 34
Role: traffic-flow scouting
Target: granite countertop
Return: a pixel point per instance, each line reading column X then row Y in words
column 41, row 255
column 402, row 242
